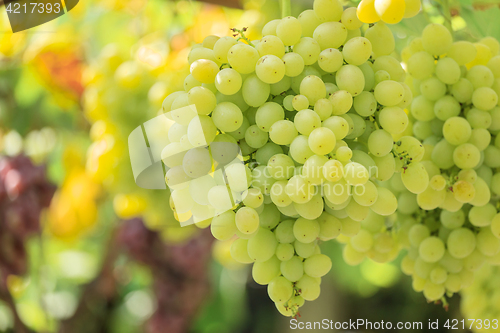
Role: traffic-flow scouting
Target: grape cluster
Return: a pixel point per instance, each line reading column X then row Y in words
column 24, row 192
column 450, row 224
column 291, row 141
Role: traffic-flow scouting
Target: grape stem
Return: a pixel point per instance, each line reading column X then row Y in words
column 286, row 8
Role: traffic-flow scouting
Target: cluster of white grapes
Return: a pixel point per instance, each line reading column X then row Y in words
column 291, row 141
column 482, row 300
column 450, row 224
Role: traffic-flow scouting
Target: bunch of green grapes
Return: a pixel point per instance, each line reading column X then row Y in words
column 482, row 300
column 451, row 223
column 281, row 143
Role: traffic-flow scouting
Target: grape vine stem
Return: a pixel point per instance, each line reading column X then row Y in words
column 286, row 8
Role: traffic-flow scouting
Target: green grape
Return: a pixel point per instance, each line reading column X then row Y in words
column 330, row 60
column 262, row 180
column 263, row 154
column 350, row 19
column 393, row 119
column 262, row 246
column 436, row 39
column 480, row 76
column 255, row 92
column 284, row 231
column 321, row 141
column 437, row 182
column 308, row 21
column 323, row 107
column 268, row 114
column 306, row 231
column 432, row 291
column 311, row 209
column 463, row 191
column 358, row 128
column 221, row 48
column 363, row 241
column 386, row 203
column 487, row 243
column 204, row 70
column 474, row 261
column 381, row 75
column 462, row 52
column 456, row 130
column 494, row 65
column 482, row 216
column 287, row 103
column 292, row 269
column 223, row 226
column 247, row 220
column 356, row 211
column 330, row 35
column 264, row 272
column 350, row 227
column 253, row 198
column 313, row 88
column 380, row 142
column 228, row 81
column 333, row 170
column 299, row 148
column 201, row 52
column 300, row 102
column 236, row 98
column 431, row 249
column 446, row 107
column 407, row 98
column 461, row 243
column 367, row 195
column 280, row 167
column 448, row 71
column 329, row 227
column 369, row 76
column 355, row 174
column 462, row 90
column 479, row 118
column 289, row 30
column 281, row 87
column 328, row 10
column 484, row 98
column 381, row 38
column 415, row 178
column 190, row 82
column 197, row 162
column 422, row 109
column 285, row 251
column 255, row 138
column 312, row 170
column 385, row 166
column 466, row 156
column 350, row 78
column 271, row 45
column 365, row 104
column 227, row 117
column 308, row 287
column 341, row 102
column 280, row 289
column 492, row 156
column 432, row 89
column 309, row 49
column 270, row 27
column 294, row 64
column 389, row 93
column 239, row 251
column 278, row 194
column 421, row 65
column 357, row 50
column 351, row 256
column 343, row 154
column 495, row 225
column 269, row 217
column 317, row 265
column 283, row 132
column 219, row 198
column 299, row 189
column 339, row 126
column 391, row 65
column 270, row 69
column 442, row 154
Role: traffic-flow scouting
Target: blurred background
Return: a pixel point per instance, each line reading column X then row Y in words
column 82, row 247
